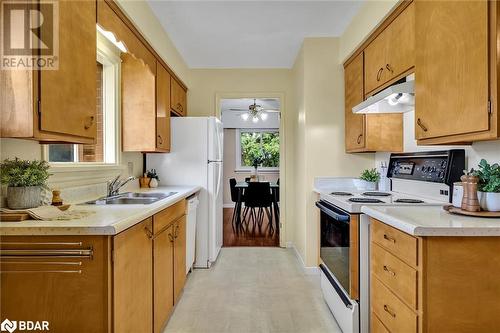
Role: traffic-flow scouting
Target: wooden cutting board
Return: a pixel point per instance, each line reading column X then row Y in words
column 459, row 211
column 14, row 217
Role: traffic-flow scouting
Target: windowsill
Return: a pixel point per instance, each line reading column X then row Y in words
column 270, row 170
column 88, row 166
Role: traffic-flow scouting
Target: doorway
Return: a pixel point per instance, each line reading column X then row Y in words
column 252, row 170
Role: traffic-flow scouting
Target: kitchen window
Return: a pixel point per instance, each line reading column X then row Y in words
column 252, row 144
column 105, row 150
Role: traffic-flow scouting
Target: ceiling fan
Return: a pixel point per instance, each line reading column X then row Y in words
column 254, row 111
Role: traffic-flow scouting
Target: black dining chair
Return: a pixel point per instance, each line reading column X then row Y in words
column 235, row 220
column 258, row 200
column 247, row 179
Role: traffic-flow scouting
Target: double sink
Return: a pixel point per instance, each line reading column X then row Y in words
column 131, row 198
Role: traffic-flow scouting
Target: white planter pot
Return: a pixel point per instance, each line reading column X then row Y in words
column 489, row 201
column 363, row 185
column 24, row 197
column 153, row 183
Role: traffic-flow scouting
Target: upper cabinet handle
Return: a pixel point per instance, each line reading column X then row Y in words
column 160, row 140
column 379, row 74
column 359, row 139
column 389, row 68
column 89, row 122
column 422, row 126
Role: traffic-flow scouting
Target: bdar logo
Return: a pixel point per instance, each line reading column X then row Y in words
column 8, row 325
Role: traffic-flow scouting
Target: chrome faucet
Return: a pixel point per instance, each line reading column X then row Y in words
column 116, row 184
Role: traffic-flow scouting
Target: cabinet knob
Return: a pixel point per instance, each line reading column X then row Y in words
column 379, row 74
column 89, row 122
column 389, row 68
column 160, row 140
column 421, row 125
column 359, row 139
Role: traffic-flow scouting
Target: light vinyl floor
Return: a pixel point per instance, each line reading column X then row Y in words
column 252, row 289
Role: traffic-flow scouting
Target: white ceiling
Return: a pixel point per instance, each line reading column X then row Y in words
column 249, row 34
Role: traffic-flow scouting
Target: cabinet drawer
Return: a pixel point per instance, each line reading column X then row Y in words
column 398, row 276
column 397, row 242
column 376, row 325
column 168, row 215
column 393, row 313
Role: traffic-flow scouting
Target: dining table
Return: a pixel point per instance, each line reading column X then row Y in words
column 275, row 187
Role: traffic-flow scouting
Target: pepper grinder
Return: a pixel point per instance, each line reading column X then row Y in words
column 470, row 201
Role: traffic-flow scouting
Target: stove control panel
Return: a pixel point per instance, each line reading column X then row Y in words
column 437, row 167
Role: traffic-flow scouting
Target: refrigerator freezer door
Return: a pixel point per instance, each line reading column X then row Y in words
column 215, row 209
column 215, row 139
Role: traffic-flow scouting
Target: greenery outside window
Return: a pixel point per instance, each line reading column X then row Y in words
column 252, row 144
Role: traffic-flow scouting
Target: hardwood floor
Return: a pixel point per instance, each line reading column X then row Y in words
column 251, row 237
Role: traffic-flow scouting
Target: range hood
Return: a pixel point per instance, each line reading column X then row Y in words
column 398, row 98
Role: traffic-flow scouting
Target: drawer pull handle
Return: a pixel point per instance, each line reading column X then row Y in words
column 389, row 238
column 386, row 309
column 388, row 270
column 422, row 126
column 176, row 233
column 379, row 74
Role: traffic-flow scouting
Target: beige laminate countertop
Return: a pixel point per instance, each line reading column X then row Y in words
column 106, row 219
column 433, row 221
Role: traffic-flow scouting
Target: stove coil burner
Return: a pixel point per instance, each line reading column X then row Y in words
column 409, row 201
column 345, row 194
column 365, row 200
column 376, row 194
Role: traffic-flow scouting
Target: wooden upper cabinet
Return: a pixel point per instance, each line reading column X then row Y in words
column 162, row 108
column 452, row 80
column 133, row 279
column 57, row 105
column 179, row 257
column 138, row 105
column 354, row 124
column 370, row 132
column 178, row 98
column 391, row 55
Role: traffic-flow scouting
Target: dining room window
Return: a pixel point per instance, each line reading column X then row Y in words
column 260, row 147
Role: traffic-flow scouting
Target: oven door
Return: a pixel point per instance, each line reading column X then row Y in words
column 339, row 269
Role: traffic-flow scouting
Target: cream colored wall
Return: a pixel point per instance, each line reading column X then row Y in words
column 141, row 14
column 319, row 147
column 230, row 166
column 369, row 16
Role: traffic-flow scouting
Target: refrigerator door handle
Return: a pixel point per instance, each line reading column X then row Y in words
column 219, row 177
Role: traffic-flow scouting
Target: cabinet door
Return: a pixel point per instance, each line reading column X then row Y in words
column 133, row 279
column 138, row 105
column 400, row 44
column 375, row 62
column 163, row 258
column 354, row 123
column 178, row 98
column 162, row 108
column 68, row 95
column 179, row 257
column 451, row 82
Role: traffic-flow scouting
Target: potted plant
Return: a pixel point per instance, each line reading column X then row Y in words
column 489, row 186
column 256, row 162
column 154, row 178
column 25, row 180
column 368, row 180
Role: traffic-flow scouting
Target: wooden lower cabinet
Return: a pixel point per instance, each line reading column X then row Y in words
column 452, row 287
column 128, row 282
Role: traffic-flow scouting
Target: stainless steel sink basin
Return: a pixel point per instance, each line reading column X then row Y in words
column 131, row 198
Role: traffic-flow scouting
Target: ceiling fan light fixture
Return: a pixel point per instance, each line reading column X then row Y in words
column 263, row 116
column 245, row 116
column 255, row 119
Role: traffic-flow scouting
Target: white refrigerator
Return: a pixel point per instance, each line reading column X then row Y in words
column 195, row 158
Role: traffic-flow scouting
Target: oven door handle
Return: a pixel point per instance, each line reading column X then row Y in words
column 331, row 213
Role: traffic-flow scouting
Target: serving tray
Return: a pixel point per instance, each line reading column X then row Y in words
column 459, row 211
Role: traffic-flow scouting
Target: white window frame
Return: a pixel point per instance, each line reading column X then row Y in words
column 241, row 168
column 108, row 55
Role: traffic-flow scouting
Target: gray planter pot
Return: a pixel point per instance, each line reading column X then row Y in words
column 24, row 197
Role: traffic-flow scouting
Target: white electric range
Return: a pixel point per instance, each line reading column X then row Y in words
column 417, row 179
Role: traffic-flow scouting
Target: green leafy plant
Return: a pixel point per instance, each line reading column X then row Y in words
column 260, row 144
column 489, row 176
column 257, row 160
column 152, row 174
column 23, row 173
column 370, row 175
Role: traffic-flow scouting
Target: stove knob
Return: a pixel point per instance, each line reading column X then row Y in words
column 433, row 169
column 424, row 168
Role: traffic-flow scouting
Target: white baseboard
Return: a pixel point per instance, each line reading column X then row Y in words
column 308, row 270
